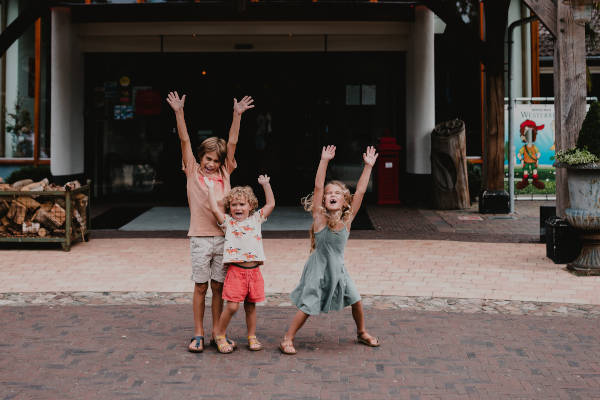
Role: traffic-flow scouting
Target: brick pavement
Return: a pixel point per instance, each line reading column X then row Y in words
column 139, row 352
column 430, row 268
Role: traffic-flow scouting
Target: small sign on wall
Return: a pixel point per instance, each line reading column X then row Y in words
column 389, row 165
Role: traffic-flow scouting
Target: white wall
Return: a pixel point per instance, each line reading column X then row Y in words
column 67, row 95
column 521, row 61
column 12, row 75
column 420, row 93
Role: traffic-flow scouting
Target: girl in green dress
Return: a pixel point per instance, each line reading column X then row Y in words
column 325, row 284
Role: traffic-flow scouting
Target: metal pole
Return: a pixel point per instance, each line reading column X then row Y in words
column 511, row 102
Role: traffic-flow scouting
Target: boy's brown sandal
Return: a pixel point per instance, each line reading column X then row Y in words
column 370, row 341
column 254, row 344
column 223, row 345
column 287, row 348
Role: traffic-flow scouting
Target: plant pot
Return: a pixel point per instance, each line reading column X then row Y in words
column 584, row 214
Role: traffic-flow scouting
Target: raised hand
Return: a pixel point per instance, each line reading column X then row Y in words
column 243, row 105
column 328, row 152
column 209, row 183
column 263, row 179
column 370, row 156
column 175, row 102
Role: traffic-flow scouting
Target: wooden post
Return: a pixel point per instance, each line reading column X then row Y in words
column 570, row 91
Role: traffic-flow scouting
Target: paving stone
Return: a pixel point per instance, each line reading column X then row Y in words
column 424, row 355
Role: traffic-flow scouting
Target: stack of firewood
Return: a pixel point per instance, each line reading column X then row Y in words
column 35, row 214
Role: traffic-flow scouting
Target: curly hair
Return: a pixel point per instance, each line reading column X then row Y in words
column 332, row 218
column 243, row 192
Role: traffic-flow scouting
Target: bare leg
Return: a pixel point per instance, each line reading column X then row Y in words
column 287, row 344
column 230, row 309
column 250, row 309
column 359, row 318
column 217, row 304
column 198, row 304
column 253, row 343
column 219, row 333
column 297, row 322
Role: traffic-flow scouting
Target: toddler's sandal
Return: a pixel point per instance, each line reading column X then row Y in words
column 223, row 345
column 199, row 347
column 231, row 342
column 254, row 344
column 370, row 341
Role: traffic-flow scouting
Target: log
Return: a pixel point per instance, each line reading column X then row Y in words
column 52, row 219
column 35, row 186
column 4, row 206
column 5, row 186
column 28, row 202
column 42, row 232
column 19, row 184
column 54, row 188
column 4, row 221
column 31, row 227
column 17, row 212
column 72, row 185
column 449, row 166
column 58, row 214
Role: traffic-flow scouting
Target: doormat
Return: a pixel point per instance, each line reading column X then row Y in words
column 116, row 217
column 470, row 218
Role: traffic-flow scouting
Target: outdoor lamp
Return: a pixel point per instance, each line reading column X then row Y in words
column 582, row 11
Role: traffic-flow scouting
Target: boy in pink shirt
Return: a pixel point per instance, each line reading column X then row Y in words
column 217, row 162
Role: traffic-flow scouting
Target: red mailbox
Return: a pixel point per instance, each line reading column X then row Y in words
column 388, row 171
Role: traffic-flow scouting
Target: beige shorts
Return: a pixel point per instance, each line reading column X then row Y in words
column 207, row 258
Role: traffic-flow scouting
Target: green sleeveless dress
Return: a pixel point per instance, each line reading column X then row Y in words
column 325, row 284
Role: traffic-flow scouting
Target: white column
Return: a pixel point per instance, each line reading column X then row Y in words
column 66, row 99
column 420, row 93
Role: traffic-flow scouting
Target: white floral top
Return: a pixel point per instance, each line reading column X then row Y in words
column 243, row 239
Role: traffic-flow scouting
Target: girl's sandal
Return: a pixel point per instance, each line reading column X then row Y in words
column 198, row 347
column 254, row 344
column 223, row 345
column 287, row 347
column 370, row 341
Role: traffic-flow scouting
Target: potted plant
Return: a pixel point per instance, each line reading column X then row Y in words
column 583, row 175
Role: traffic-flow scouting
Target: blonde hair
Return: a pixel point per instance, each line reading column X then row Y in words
column 332, row 219
column 243, row 192
column 215, row 144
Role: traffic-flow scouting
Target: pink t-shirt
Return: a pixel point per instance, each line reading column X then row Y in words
column 202, row 220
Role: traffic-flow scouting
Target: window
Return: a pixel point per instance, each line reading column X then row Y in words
column 365, row 95
column 24, row 128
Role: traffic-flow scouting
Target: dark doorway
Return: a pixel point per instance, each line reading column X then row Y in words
column 303, row 101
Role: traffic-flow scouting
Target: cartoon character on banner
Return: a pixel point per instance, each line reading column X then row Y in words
column 529, row 154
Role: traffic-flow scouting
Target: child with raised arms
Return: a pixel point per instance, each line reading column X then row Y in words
column 325, row 284
column 217, row 162
column 243, row 255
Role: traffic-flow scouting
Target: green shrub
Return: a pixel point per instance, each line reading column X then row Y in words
column 576, row 156
column 589, row 135
column 30, row 172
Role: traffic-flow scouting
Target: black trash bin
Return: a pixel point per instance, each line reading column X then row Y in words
column 562, row 241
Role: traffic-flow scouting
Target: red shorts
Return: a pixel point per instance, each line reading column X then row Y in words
column 243, row 284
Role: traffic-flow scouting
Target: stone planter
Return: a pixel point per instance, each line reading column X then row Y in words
column 584, row 214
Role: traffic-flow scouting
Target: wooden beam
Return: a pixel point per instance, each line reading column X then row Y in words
column 535, row 59
column 545, row 11
column 37, row 91
column 570, row 92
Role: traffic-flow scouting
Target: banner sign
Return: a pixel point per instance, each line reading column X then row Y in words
column 539, row 120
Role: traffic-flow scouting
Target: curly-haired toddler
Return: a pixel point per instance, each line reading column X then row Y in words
column 242, row 254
